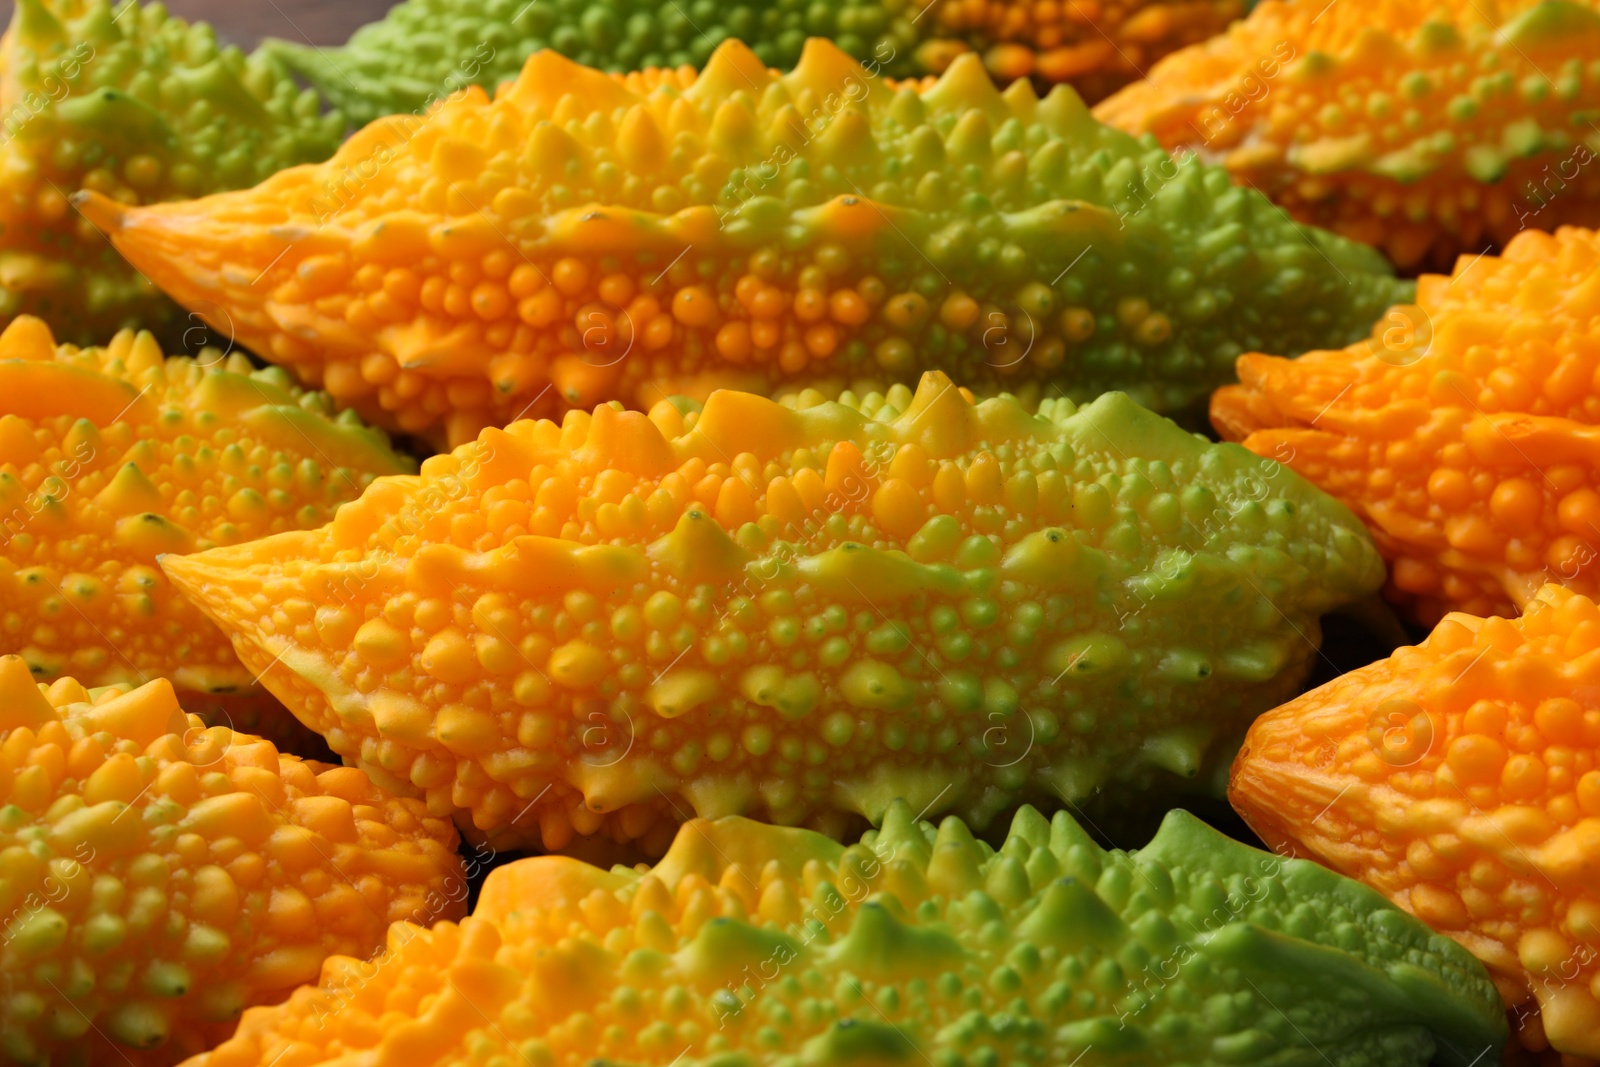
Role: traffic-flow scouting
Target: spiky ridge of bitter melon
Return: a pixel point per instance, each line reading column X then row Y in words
column 1428, row 128
column 1461, row 778
column 142, row 107
column 157, row 876
column 110, row 457
column 795, row 613
column 1464, row 432
column 423, row 50
column 751, row 944
column 584, row 238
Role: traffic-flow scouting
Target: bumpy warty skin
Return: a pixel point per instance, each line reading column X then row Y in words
column 110, row 457
column 751, row 944
column 1427, row 128
column 795, row 613
column 583, row 238
column 158, row 876
column 1461, row 777
column 423, row 50
column 141, row 107
column 1464, row 431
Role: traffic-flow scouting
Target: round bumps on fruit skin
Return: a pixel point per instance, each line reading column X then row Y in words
column 424, row 50
column 1461, row 432
column 798, row 613
column 139, row 106
column 1461, row 778
column 582, row 238
column 158, row 876
column 752, row 944
column 110, row 457
column 1428, row 129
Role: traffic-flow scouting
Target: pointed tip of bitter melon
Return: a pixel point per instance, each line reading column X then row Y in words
column 112, row 457
column 1006, row 240
column 936, row 599
column 106, row 214
column 914, row 945
column 1485, row 733
column 162, row 876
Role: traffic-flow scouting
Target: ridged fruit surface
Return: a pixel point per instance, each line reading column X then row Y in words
column 752, row 944
column 752, row 609
column 584, row 238
column 1427, row 128
column 1464, row 431
column 423, row 50
column 140, row 107
column 1461, row 777
column 110, row 457
column 157, row 876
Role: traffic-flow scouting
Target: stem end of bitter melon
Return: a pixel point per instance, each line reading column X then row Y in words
column 99, row 209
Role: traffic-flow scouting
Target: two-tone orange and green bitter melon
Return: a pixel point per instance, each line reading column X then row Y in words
column 583, row 238
column 1428, row 128
column 140, row 107
column 157, row 876
column 1464, row 432
column 423, row 50
column 795, row 612
column 110, row 457
column 1461, row 777
column 753, row 944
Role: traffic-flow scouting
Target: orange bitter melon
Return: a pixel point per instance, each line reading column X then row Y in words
column 583, row 238
column 1464, row 432
column 110, row 457
column 142, row 107
column 157, row 876
column 753, row 944
column 1461, row 777
column 798, row 612
column 1428, row 128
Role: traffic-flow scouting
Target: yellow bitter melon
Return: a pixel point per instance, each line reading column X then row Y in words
column 112, row 456
column 583, row 238
column 1427, row 128
column 141, row 107
column 157, row 876
column 751, row 944
column 796, row 612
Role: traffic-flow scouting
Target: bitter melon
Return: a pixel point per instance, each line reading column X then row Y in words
column 141, row 107
column 795, row 612
column 157, row 876
column 1428, row 128
column 423, row 50
column 1463, row 431
column 1461, row 778
column 751, row 944
column 585, row 238
column 110, row 457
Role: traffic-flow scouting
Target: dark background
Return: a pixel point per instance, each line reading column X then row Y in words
column 245, row 22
